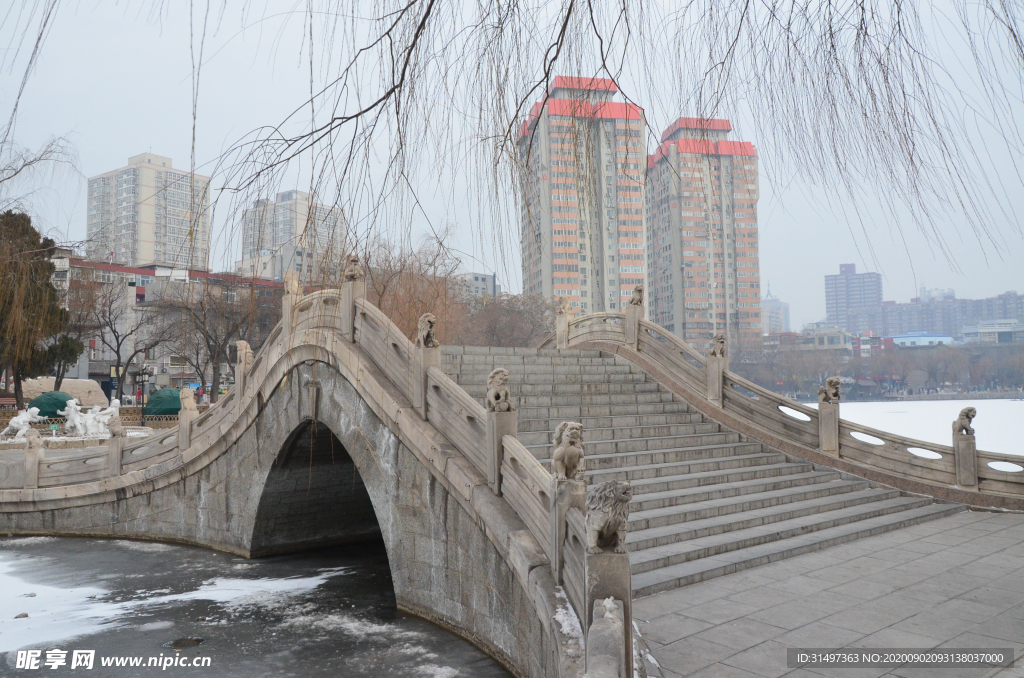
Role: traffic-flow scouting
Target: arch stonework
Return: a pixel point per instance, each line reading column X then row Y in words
column 445, row 565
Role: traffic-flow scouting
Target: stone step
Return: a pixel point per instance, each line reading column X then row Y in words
column 658, row 557
column 600, row 474
column 693, row 571
column 674, row 444
column 577, row 412
column 477, row 373
column 587, row 399
column 591, row 425
column 659, row 509
column 594, row 435
column 701, row 486
column 721, row 492
column 682, row 530
column 572, row 389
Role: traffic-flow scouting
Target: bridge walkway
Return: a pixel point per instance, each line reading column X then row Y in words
column 706, row 501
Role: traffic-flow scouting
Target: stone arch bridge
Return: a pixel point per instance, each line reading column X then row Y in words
column 341, row 428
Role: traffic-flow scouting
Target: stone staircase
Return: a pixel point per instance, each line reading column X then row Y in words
column 706, row 502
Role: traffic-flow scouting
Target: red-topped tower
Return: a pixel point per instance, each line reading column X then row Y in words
column 702, row 239
column 583, row 208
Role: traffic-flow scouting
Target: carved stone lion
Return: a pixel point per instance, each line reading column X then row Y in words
column 564, row 307
column 35, row 439
column 718, row 346
column 353, row 271
column 244, row 353
column 829, row 393
column 425, row 331
column 117, row 429
column 498, row 397
column 567, row 458
column 963, row 422
column 292, row 285
column 608, row 516
column 188, row 400
column 638, row 296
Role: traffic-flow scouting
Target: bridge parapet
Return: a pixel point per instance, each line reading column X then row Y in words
column 913, row 465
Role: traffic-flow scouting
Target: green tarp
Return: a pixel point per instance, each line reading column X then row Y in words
column 49, row 402
column 164, row 401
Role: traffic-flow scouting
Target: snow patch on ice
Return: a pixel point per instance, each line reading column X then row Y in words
column 435, row 671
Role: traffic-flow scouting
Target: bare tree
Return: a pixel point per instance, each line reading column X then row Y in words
column 216, row 312
column 126, row 328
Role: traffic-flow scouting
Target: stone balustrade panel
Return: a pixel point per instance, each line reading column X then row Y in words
column 458, row 416
column 389, row 349
column 761, row 407
column 80, row 466
column 526, row 486
column 575, row 555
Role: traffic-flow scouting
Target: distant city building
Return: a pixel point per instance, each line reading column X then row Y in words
column 949, row 315
column 480, row 284
column 702, row 257
column 918, row 339
column 870, row 344
column 583, row 235
column 995, row 332
column 853, row 301
column 290, row 233
column 774, row 314
column 936, row 294
column 825, row 337
column 149, row 213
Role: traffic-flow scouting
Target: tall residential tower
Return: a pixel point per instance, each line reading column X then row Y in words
column 292, row 232
column 853, row 301
column 582, row 214
column 149, row 213
column 702, row 254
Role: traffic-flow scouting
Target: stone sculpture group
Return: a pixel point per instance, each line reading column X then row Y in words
column 95, row 422
column 21, row 423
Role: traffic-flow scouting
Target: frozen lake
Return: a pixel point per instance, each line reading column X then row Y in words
column 999, row 426
column 329, row 612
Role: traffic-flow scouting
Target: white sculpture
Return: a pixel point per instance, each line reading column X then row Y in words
column 75, row 424
column 188, row 400
column 22, row 423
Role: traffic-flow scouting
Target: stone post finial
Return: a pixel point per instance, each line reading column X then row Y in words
column 353, row 271
column 718, row 346
column 33, row 455
column 567, row 457
column 828, row 417
column 499, row 398
column 638, row 296
column 425, row 331
column 965, row 449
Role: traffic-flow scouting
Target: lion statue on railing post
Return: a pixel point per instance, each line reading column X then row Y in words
column 425, row 331
column 499, row 398
column 353, row 271
column 963, row 422
column 567, row 458
column 638, row 296
column 244, row 354
column 829, row 393
column 188, row 400
column 608, row 516
column 292, row 286
column 718, row 346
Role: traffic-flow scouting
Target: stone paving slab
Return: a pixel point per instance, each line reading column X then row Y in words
column 953, row 582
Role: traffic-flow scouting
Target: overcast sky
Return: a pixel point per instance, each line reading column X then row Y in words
column 117, row 83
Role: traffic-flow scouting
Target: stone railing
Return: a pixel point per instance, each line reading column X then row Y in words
column 962, row 474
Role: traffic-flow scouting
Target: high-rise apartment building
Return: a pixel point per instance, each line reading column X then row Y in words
column 291, row 232
column 583, row 210
column 853, row 301
column 702, row 256
column 149, row 213
column 774, row 314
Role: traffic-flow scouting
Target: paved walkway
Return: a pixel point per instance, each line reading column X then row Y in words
column 952, row 582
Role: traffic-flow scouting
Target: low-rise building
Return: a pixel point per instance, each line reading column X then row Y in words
column 917, row 339
column 480, row 284
column 1009, row 331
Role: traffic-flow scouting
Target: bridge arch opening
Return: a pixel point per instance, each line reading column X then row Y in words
column 313, row 497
